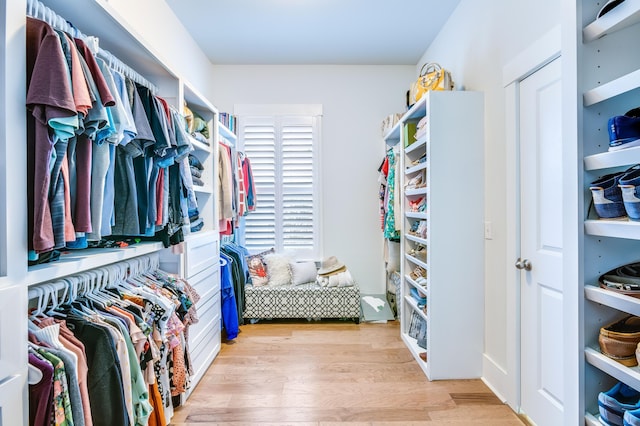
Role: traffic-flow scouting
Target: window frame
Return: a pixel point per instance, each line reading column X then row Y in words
column 281, row 116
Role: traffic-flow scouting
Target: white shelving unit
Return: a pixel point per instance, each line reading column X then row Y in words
column 453, row 173
column 608, row 83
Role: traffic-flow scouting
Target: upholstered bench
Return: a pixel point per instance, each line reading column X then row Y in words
column 310, row 301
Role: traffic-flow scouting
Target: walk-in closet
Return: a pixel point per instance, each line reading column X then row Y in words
column 276, row 212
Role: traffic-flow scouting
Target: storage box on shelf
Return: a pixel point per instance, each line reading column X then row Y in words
column 608, row 83
column 442, row 210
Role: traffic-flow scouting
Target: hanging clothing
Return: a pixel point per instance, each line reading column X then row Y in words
column 228, row 299
column 390, row 229
column 100, row 151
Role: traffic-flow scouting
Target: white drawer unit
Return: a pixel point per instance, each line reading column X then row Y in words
column 11, row 401
column 202, row 253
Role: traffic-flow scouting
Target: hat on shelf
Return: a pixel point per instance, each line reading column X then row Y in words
column 331, row 265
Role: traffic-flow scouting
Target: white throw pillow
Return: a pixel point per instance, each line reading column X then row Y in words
column 278, row 269
column 303, row 272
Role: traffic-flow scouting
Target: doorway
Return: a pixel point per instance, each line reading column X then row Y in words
column 534, row 263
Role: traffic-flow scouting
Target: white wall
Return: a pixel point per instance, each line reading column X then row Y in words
column 166, row 37
column 355, row 99
column 475, row 44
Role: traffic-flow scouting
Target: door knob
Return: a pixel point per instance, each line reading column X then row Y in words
column 523, row 264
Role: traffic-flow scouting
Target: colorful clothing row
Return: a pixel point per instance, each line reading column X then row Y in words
column 104, row 357
column 106, row 157
column 389, row 203
column 236, row 188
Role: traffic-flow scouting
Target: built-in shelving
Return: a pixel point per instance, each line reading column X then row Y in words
column 608, row 82
column 445, row 154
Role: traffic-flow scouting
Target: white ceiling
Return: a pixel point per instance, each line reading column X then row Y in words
column 358, row 32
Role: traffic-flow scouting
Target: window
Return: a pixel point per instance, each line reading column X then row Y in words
column 283, row 153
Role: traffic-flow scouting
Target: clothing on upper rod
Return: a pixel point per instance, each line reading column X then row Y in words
column 106, row 157
column 236, row 188
column 38, row 10
column 114, row 343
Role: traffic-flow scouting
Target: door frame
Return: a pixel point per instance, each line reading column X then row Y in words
column 536, row 56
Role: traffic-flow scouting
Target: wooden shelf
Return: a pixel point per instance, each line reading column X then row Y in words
column 417, row 168
column 624, row 84
column 628, row 375
column 622, row 16
column 621, row 302
column 199, row 145
column 415, row 192
column 226, row 133
column 393, row 137
column 606, row 160
column 207, row 189
column 592, row 420
column 613, row 228
column 416, row 350
column 416, row 239
column 416, row 215
column 417, row 145
column 73, row 262
column 417, row 261
column 409, row 301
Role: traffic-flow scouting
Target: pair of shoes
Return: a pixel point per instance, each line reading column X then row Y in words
column 623, row 279
column 615, row 403
column 419, row 228
column 418, row 272
column 631, row 418
column 617, row 195
column 417, row 205
column 624, row 130
column 415, row 182
column 619, row 341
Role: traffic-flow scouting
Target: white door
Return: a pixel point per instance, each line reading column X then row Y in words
column 541, row 291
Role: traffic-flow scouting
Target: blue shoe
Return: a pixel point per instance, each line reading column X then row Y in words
column 607, row 196
column 631, row 418
column 624, row 131
column 613, row 403
column 630, row 187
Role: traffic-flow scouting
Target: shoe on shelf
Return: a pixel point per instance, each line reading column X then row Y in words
column 608, row 7
column 629, row 184
column 624, row 130
column 631, row 418
column 607, row 196
column 619, row 340
column 613, row 403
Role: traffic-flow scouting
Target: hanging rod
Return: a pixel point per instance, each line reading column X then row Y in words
column 92, row 280
column 36, row 9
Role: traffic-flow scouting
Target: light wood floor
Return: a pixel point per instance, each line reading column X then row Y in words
column 325, row 373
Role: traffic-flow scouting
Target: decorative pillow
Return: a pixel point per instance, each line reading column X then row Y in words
column 303, row 272
column 258, row 269
column 278, row 269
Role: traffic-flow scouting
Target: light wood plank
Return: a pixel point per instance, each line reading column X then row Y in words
column 303, row 373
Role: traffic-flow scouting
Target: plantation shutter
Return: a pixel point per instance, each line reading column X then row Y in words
column 283, row 156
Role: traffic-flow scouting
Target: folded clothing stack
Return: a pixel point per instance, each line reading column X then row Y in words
column 196, row 222
column 196, row 170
